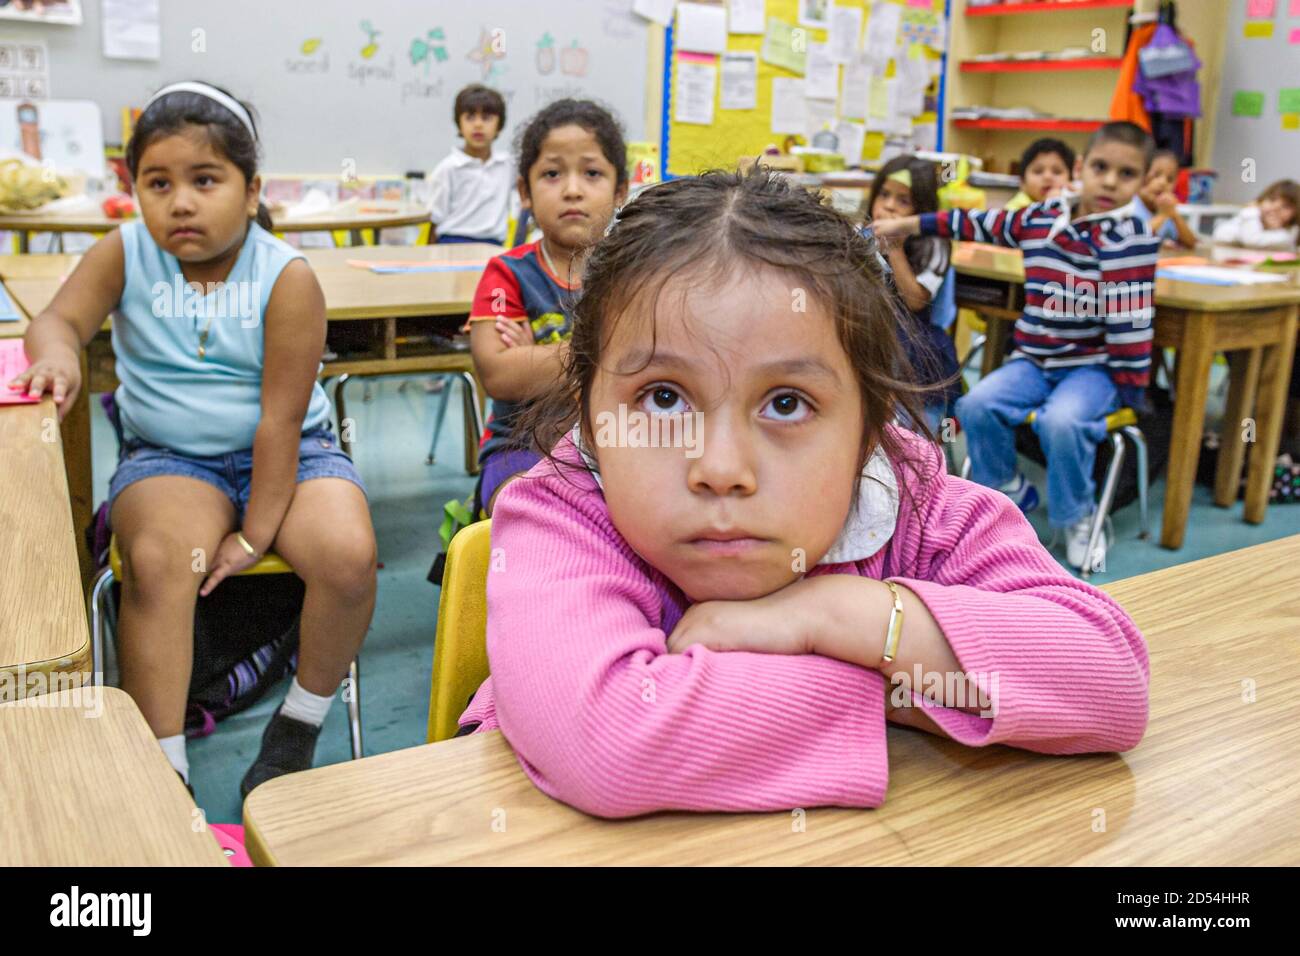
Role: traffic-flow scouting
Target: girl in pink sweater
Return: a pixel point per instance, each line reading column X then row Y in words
column 691, row 598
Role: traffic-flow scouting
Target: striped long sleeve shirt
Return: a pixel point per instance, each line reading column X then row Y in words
column 1089, row 282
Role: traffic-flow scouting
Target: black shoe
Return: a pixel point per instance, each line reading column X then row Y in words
column 288, row 746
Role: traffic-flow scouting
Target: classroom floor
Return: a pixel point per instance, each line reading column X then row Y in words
column 406, row 497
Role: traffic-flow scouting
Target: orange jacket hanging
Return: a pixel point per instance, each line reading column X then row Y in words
column 1125, row 104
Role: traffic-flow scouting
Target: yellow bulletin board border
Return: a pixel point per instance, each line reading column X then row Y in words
column 689, row 148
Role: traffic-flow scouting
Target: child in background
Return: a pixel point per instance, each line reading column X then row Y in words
column 572, row 175
column 1045, row 170
column 1158, row 204
column 708, row 626
column 1271, row 222
column 227, row 452
column 1083, row 344
column 470, row 189
column 916, row 268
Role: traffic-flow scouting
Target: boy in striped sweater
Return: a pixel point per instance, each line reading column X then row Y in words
column 1083, row 343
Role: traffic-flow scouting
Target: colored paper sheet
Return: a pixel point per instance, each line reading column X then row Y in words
column 1258, row 29
column 1247, row 103
column 780, row 49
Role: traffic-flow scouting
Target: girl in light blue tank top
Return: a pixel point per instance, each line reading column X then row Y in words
column 227, row 453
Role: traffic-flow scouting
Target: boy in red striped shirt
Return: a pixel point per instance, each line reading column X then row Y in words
column 1083, row 342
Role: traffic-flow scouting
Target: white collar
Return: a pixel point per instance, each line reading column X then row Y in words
column 464, row 159
column 1066, row 203
column 868, row 527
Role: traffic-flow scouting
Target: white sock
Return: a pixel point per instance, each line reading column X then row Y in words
column 174, row 748
column 1012, row 486
column 302, row 704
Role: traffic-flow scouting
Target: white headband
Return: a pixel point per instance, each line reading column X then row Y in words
column 211, row 93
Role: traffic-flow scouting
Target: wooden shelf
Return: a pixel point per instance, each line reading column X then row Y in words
column 1005, row 9
column 1057, row 125
column 1042, row 66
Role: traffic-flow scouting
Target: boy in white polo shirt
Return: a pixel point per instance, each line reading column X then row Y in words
column 471, row 187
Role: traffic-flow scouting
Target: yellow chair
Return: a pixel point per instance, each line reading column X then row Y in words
column 101, row 588
column 460, row 662
column 1120, row 424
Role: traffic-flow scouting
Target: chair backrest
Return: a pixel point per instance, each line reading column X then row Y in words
column 943, row 312
column 460, row 661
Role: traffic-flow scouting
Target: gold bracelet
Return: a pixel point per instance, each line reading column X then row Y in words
column 895, row 630
column 243, row 543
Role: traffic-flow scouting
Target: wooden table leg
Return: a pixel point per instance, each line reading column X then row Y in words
column 1274, row 379
column 996, row 332
column 1243, row 383
column 75, row 432
column 1195, row 356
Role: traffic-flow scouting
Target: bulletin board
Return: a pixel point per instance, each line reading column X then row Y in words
column 1257, row 128
column 689, row 148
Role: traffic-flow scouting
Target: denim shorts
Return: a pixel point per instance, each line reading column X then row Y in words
column 319, row 456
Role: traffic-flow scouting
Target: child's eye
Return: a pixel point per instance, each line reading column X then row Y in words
column 157, row 183
column 551, row 174
column 663, row 400
column 204, row 180
column 595, row 173
column 789, row 407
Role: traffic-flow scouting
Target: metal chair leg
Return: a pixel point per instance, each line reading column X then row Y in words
column 354, row 709
column 976, row 343
column 1103, row 506
column 99, row 592
column 473, row 422
column 966, row 466
column 443, row 400
column 341, row 414
column 1144, row 476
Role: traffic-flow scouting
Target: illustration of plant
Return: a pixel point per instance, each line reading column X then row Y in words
column 486, row 54
column 433, row 45
column 545, row 54
column 573, row 60
column 371, row 47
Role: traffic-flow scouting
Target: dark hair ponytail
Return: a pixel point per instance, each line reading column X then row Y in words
column 228, row 135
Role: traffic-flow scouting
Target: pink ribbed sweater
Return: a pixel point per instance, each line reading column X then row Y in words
column 604, row 719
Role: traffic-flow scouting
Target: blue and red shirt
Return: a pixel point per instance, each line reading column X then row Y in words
column 518, row 285
column 1089, row 282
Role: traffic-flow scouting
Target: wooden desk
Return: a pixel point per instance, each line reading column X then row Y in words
column 44, row 638
column 1216, row 781
column 1256, row 326
column 86, row 790
column 98, row 224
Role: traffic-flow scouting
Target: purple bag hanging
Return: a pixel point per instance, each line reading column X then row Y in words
column 1165, row 53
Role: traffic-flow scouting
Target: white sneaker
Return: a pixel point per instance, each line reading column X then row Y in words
column 1076, row 546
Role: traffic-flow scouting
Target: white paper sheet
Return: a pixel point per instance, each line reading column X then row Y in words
column 746, row 16
column 701, row 28
column 822, row 81
column 821, row 115
column 739, row 81
column 851, row 136
column 693, row 102
column 660, row 11
column 882, row 31
column 856, row 88
column 131, row 29
column 846, row 28
column 789, row 110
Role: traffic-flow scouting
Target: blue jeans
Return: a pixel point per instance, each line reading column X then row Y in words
column 1071, row 405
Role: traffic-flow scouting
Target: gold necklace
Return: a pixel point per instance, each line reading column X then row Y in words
column 203, row 340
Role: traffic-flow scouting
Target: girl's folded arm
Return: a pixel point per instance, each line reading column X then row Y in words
column 605, row 719
column 1060, row 665
column 83, row 301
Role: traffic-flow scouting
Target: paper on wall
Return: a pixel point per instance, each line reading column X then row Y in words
column 131, row 29
column 846, row 28
column 701, row 28
column 745, row 16
column 693, row 101
column 822, row 78
column 789, row 112
column 856, row 89
column 780, row 49
column 882, row 31
column 821, row 115
column 660, row 11
column 739, row 81
column 851, row 137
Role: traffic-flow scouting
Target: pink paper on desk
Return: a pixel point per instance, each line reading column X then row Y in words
column 13, row 361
